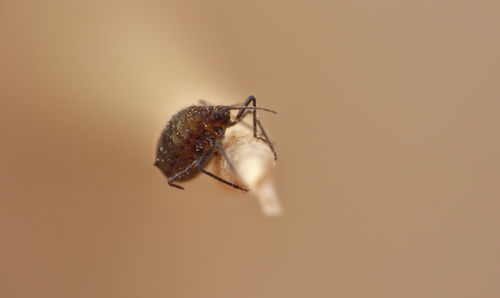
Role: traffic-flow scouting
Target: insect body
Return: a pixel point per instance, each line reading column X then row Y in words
column 194, row 133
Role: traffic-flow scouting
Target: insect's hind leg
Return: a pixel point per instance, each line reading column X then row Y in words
column 204, row 157
column 174, row 185
column 256, row 122
column 178, row 175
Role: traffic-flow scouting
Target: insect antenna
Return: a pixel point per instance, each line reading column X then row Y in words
column 251, row 108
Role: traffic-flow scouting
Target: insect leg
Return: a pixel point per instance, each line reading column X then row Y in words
column 178, row 175
column 203, row 102
column 221, row 150
column 256, row 122
column 243, row 112
column 202, row 160
column 266, row 138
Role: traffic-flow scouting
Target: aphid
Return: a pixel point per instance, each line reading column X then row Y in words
column 194, row 133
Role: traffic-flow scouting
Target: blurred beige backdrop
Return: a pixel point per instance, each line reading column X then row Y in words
column 387, row 135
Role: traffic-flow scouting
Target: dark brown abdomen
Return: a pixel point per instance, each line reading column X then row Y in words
column 176, row 146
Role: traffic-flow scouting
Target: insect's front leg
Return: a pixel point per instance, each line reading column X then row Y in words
column 256, row 122
column 243, row 112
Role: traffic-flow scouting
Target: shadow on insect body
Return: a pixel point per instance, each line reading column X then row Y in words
column 194, row 133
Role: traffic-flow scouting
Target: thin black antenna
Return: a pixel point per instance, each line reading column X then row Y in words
column 251, row 108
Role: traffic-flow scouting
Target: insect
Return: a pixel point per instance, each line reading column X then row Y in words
column 194, row 133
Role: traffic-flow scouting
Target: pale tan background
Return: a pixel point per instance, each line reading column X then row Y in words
column 387, row 134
